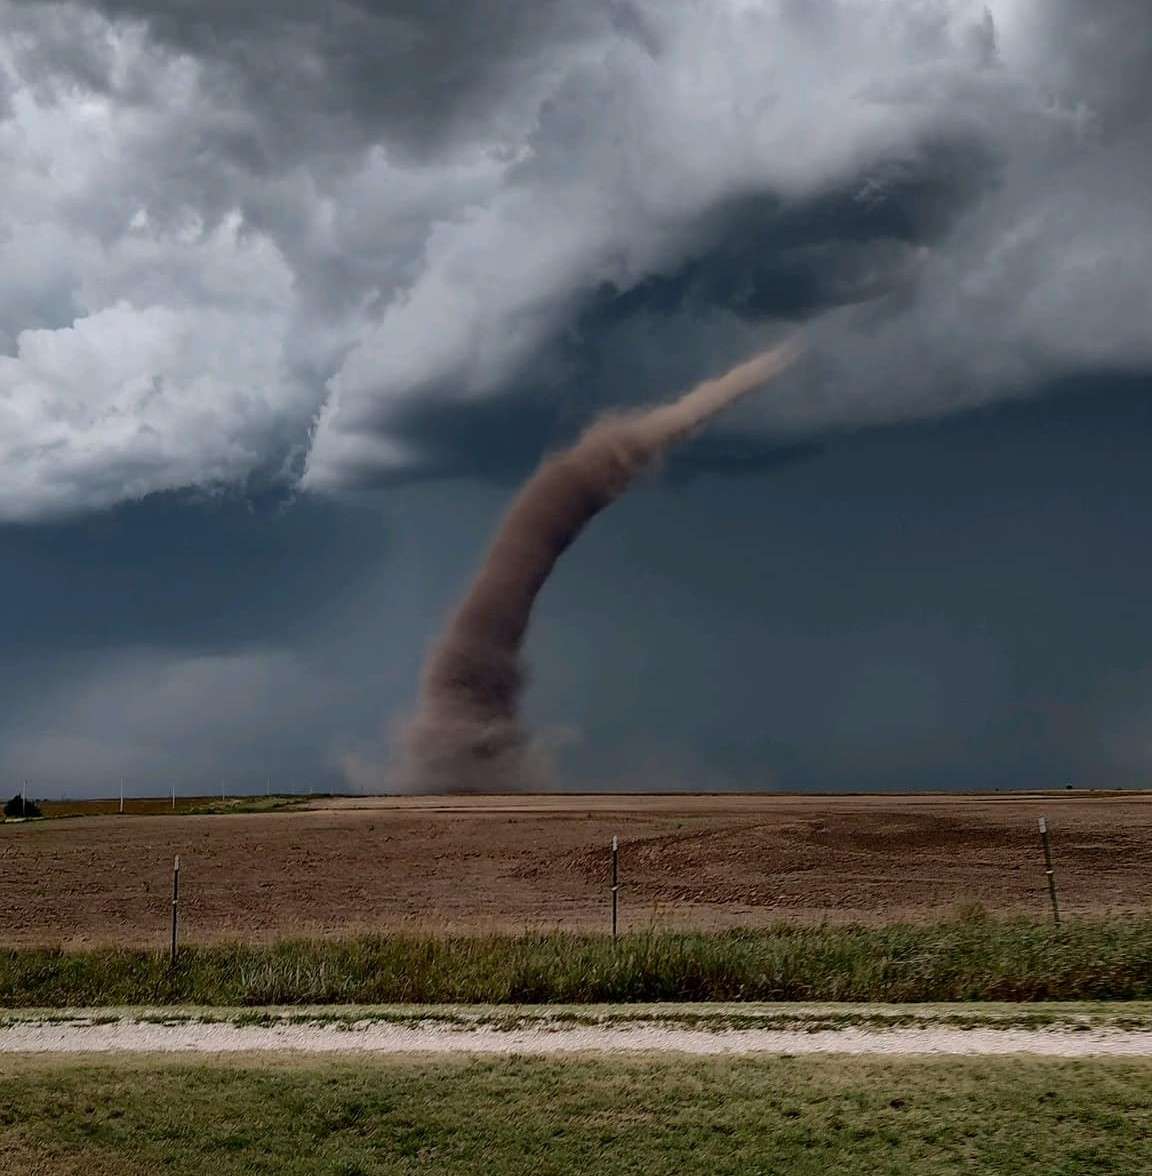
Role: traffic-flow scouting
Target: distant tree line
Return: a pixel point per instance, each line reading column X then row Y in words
column 19, row 807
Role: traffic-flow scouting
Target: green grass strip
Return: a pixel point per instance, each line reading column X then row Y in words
column 548, row 1117
column 984, row 960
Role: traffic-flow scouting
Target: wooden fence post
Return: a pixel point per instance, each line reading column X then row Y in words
column 615, row 883
column 1049, row 872
column 175, row 903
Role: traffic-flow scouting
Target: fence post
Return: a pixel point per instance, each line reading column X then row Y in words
column 121, row 795
column 175, row 903
column 615, row 882
column 1049, row 872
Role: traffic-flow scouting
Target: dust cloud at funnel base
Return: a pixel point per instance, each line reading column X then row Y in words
column 466, row 734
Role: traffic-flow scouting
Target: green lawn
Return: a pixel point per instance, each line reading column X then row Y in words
column 602, row 1117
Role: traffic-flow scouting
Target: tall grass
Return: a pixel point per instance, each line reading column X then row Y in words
column 956, row 961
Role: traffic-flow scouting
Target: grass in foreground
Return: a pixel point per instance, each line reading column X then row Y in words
column 772, row 1116
column 982, row 960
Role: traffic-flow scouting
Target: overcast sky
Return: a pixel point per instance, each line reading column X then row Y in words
column 292, row 294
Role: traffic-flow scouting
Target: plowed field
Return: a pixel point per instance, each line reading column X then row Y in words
column 472, row 864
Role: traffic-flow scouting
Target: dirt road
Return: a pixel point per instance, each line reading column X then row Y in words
column 497, row 863
column 374, row 1037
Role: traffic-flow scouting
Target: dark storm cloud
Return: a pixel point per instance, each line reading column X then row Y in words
column 417, row 73
column 957, row 604
column 413, row 246
column 890, row 620
column 748, row 259
column 189, row 639
column 1000, row 170
column 172, row 571
column 257, row 216
column 765, row 257
column 1102, row 54
column 501, row 441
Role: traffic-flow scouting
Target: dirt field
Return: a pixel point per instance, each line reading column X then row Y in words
column 499, row 863
column 138, row 806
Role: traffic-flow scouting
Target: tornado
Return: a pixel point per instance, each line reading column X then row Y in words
column 466, row 734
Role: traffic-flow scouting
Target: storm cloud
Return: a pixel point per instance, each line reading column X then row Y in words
column 261, row 241
column 290, row 296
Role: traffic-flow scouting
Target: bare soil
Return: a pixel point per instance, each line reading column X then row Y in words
column 475, row 864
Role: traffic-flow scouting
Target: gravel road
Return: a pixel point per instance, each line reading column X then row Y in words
column 128, row 1036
